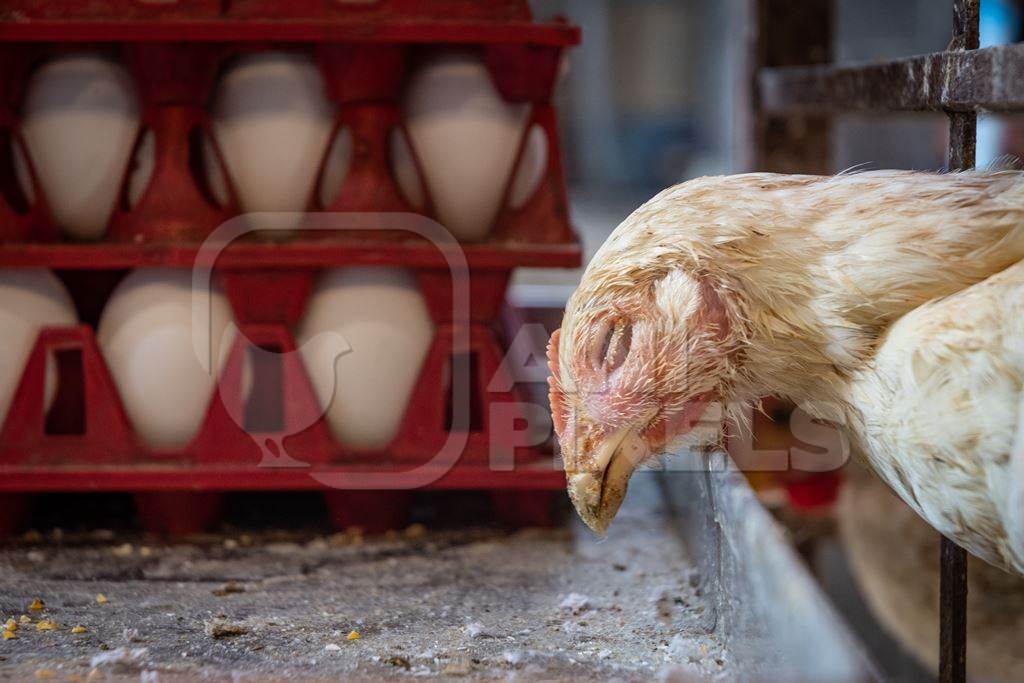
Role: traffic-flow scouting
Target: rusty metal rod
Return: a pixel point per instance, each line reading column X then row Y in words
column 953, row 559
column 952, row 613
column 989, row 79
column 966, row 25
column 963, row 135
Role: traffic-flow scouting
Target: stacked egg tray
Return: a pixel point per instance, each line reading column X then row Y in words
column 365, row 50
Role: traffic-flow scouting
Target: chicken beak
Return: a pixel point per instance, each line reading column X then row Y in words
column 598, row 468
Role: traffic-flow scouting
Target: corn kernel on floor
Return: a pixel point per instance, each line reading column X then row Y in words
column 470, row 603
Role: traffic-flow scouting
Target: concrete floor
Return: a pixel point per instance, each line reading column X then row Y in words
column 474, row 602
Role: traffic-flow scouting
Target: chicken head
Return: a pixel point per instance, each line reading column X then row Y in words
column 633, row 368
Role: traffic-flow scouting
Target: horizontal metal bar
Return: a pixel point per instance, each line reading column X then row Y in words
column 990, row 79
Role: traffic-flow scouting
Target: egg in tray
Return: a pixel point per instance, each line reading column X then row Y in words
column 303, row 352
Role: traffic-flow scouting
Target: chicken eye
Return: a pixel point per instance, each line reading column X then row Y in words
column 614, row 346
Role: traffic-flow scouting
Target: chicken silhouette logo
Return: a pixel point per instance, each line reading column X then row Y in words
column 298, row 409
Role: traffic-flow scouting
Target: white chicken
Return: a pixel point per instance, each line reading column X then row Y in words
column 889, row 302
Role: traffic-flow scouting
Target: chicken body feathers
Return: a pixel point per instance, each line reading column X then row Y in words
column 937, row 411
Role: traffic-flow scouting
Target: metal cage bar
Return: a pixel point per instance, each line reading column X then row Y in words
column 792, row 93
column 990, row 79
column 963, row 78
column 963, row 127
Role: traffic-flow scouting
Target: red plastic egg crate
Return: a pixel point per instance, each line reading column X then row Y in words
column 365, row 51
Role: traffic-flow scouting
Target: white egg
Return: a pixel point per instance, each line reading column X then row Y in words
column 381, row 315
column 142, row 170
column 30, row 299
column 272, row 121
column 80, row 121
column 403, row 167
column 146, row 335
column 336, row 165
column 466, row 138
column 532, row 165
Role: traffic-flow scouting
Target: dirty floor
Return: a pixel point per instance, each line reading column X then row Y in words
column 475, row 602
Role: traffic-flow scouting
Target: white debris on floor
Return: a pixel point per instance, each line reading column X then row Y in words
column 575, row 603
column 476, row 603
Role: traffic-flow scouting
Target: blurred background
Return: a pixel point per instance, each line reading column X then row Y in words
column 658, row 93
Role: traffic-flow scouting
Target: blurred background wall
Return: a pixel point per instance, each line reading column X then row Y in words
column 656, row 95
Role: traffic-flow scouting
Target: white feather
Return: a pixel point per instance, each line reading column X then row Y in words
column 941, row 408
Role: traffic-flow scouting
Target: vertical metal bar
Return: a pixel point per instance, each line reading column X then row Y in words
column 963, row 125
column 963, row 129
column 953, row 561
column 966, row 31
column 952, row 613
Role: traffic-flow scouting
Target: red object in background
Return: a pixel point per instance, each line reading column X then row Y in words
column 813, row 491
column 767, row 458
column 174, row 49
